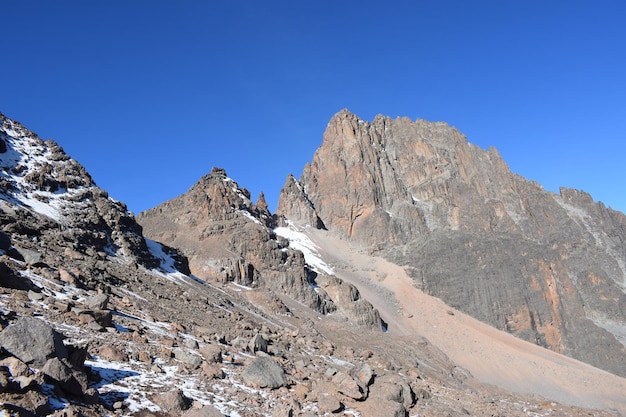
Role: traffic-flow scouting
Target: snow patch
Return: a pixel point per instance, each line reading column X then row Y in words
column 247, row 214
column 156, row 249
column 300, row 241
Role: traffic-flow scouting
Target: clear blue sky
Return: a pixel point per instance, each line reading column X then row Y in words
column 150, row 95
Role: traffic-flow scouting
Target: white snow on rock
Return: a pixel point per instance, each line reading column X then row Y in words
column 300, row 241
column 26, row 154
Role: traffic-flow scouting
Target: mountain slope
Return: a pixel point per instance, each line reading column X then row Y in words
column 547, row 268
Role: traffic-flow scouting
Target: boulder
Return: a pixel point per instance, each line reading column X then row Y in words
column 211, row 353
column 17, row 373
column 10, row 278
column 5, row 241
column 264, row 372
column 31, row 403
column 328, row 403
column 213, row 371
column 30, row 257
column 364, row 375
column 188, row 358
column 348, row 386
column 172, row 402
column 98, row 302
column 378, row 408
column 33, row 341
column 34, row 295
column 66, row 378
column 112, row 353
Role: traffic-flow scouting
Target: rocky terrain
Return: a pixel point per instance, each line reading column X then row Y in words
column 250, row 315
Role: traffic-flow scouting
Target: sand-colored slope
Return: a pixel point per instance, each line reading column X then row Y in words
column 492, row 356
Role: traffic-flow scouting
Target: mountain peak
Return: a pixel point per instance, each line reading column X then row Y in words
column 421, row 195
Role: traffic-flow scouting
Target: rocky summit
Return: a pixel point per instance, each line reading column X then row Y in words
column 377, row 289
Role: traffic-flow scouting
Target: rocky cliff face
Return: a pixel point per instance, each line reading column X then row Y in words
column 548, row 268
column 227, row 238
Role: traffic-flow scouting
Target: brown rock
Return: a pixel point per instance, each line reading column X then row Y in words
column 348, row 386
column 211, row 353
column 380, row 408
column 486, row 241
column 301, row 391
column 213, row 371
column 112, row 353
column 172, row 402
column 328, row 403
column 66, row 276
column 18, row 372
column 364, row 374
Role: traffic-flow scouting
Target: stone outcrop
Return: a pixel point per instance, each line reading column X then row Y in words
column 227, row 238
column 548, row 268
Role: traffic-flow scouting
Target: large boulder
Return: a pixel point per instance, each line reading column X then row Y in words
column 264, row 372
column 69, row 380
column 33, row 341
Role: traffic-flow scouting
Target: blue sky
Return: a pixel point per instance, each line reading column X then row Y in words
column 150, row 95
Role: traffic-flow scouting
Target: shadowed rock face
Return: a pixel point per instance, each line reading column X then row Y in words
column 548, row 268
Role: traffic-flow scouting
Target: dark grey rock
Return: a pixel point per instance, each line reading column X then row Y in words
column 33, row 341
column 264, row 372
column 31, row 257
column 68, row 379
column 98, row 302
column 188, row 358
column 257, row 344
column 10, row 278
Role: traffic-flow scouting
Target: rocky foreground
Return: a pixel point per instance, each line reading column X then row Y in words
column 168, row 344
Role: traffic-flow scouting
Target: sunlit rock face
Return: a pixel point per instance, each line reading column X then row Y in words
column 548, row 268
